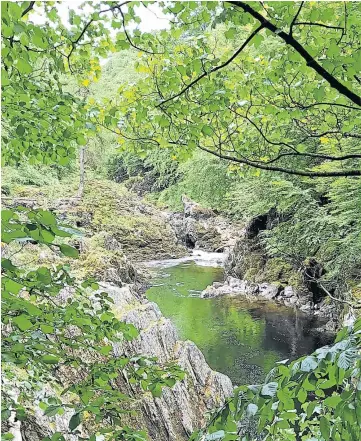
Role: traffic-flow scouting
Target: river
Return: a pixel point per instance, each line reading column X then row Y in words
column 238, row 338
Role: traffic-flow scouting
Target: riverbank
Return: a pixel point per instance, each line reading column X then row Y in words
column 117, row 233
column 242, row 339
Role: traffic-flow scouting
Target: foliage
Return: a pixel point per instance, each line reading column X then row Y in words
column 315, row 219
column 204, row 179
column 52, row 323
column 317, row 397
column 41, row 120
column 46, row 330
column 27, row 174
column 284, row 98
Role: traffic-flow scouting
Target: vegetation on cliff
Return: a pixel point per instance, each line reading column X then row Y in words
column 270, row 122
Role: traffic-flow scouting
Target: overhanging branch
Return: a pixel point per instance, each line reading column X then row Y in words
column 311, row 62
column 258, row 165
column 221, row 66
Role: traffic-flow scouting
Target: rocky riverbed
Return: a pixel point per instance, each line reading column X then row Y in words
column 113, row 249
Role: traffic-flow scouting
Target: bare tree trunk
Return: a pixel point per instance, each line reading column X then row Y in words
column 80, row 192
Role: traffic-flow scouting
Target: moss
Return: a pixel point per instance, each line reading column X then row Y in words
column 140, row 229
column 97, row 260
column 276, row 269
column 296, row 280
column 252, row 264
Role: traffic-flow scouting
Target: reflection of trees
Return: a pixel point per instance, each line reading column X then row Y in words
column 235, row 338
column 239, row 323
column 291, row 334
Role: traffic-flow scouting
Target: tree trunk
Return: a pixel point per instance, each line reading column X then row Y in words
column 80, row 192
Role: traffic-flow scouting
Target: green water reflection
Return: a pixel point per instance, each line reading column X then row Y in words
column 240, row 339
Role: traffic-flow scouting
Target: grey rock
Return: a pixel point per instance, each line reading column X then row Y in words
column 289, row 292
column 181, row 409
column 268, row 290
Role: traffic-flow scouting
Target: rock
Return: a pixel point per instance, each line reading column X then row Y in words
column 200, row 228
column 268, row 291
column 289, row 292
column 181, row 409
column 232, row 286
column 193, row 209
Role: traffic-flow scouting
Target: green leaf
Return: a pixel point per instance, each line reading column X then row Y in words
column 105, row 350
column 47, row 329
column 52, row 410
column 6, row 264
column 60, row 232
column 325, row 428
column 50, row 359
column 6, row 215
column 22, row 322
column 74, row 422
column 332, row 401
column 20, row 130
column 302, row 395
column 156, row 390
column 23, row 66
column 207, row 130
column 257, row 40
column 12, row 286
column 69, row 251
column 230, row 33
column 47, row 218
column 81, row 140
column 48, row 236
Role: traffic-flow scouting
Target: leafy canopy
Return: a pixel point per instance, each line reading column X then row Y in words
column 274, row 86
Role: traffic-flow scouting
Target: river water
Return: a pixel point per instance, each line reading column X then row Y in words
column 238, row 338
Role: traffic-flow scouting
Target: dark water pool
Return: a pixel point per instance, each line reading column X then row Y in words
column 241, row 339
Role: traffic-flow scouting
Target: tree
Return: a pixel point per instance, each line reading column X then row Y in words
column 292, row 108
column 271, row 86
column 50, row 321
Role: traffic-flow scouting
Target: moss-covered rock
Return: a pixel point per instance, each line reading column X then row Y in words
column 140, row 230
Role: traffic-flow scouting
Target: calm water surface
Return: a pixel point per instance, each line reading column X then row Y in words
column 241, row 339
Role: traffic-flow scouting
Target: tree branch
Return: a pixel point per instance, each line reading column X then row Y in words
column 309, row 23
column 311, row 62
column 28, row 9
column 130, row 40
column 295, row 17
column 256, row 164
column 214, row 69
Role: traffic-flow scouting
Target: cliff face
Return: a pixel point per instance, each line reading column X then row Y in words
column 173, row 416
column 181, row 409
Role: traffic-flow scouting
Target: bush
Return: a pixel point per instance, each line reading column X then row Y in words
column 27, row 174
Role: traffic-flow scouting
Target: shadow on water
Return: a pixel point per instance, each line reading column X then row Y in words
column 241, row 339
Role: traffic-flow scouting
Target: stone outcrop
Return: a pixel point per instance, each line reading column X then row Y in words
column 267, row 291
column 173, row 416
column 286, row 295
column 202, row 229
column 181, row 409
